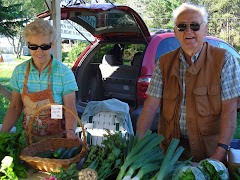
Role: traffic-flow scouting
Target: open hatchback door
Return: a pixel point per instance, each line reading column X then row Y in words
column 110, row 66
column 105, row 20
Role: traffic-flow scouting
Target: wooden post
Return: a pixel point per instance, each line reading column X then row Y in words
column 54, row 7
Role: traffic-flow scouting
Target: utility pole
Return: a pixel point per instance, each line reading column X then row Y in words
column 54, row 8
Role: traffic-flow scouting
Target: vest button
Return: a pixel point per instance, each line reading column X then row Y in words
column 192, row 143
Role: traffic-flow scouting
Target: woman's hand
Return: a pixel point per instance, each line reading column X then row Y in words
column 71, row 122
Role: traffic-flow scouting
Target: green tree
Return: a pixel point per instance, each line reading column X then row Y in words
column 30, row 8
column 223, row 22
column 13, row 15
column 116, row 1
column 158, row 14
column 21, row 11
column 224, row 19
column 76, row 50
column 224, row 16
column 9, row 18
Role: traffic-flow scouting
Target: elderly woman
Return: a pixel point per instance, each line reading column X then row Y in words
column 40, row 81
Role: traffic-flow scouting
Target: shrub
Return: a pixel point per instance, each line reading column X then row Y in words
column 76, row 50
column 64, row 55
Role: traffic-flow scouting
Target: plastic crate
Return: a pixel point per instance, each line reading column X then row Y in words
column 96, row 125
column 235, row 144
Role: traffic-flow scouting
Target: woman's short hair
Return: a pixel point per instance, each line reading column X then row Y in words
column 39, row 27
column 189, row 6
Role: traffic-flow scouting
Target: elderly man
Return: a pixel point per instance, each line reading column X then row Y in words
column 197, row 86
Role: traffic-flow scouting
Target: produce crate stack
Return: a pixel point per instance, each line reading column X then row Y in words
column 110, row 114
column 96, row 125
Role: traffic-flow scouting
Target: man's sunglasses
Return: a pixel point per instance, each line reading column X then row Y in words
column 43, row 47
column 183, row 26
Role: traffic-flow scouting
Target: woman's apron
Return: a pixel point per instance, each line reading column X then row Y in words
column 43, row 126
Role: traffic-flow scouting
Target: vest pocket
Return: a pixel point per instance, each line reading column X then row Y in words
column 169, row 106
column 209, row 125
column 208, row 100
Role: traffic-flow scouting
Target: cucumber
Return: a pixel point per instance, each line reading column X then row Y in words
column 70, row 153
column 64, row 154
column 47, row 154
column 57, row 153
column 78, row 150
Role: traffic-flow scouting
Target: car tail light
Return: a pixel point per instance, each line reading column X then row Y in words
column 142, row 85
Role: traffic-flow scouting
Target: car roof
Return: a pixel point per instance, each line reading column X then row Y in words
column 153, row 53
column 106, row 20
column 168, row 34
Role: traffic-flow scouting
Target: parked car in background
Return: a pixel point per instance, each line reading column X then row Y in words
column 26, row 51
column 120, row 62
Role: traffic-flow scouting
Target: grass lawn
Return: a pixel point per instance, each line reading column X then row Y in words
column 5, row 75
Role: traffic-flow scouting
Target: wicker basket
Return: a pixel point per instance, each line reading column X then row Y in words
column 49, row 164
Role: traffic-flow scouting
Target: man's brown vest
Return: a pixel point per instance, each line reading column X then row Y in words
column 203, row 100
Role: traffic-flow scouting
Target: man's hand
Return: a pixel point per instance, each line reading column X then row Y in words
column 227, row 128
column 220, row 154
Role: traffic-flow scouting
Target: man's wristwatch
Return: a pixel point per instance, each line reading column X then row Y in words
column 224, row 146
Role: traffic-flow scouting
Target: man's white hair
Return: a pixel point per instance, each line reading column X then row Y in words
column 189, row 6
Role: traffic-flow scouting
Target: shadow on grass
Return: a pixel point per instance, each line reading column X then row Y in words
column 5, row 83
column 4, row 79
column 4, row 104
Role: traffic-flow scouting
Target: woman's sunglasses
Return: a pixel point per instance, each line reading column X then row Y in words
column 43, row 47
column 183, row 26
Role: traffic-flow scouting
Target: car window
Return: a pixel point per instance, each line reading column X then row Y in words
column 233, row 51
column 212, row 42
column 167, row 45
column 130, row 50
column 126, row 52
column 97, row 58
column 105, row 22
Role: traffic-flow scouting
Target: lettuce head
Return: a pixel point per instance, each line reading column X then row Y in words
column 189, row 173
column 215, row 169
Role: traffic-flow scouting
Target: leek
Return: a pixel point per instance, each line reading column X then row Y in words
column 169, row 160
column 146, row 144
column 146, row 138
column 147, row 168
column 156, row 155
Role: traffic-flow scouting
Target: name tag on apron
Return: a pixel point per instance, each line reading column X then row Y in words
column 56, row 111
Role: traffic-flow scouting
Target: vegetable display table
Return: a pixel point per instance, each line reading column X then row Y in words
column 36, row 175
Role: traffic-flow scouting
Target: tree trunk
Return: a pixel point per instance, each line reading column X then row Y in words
column 5, row 92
